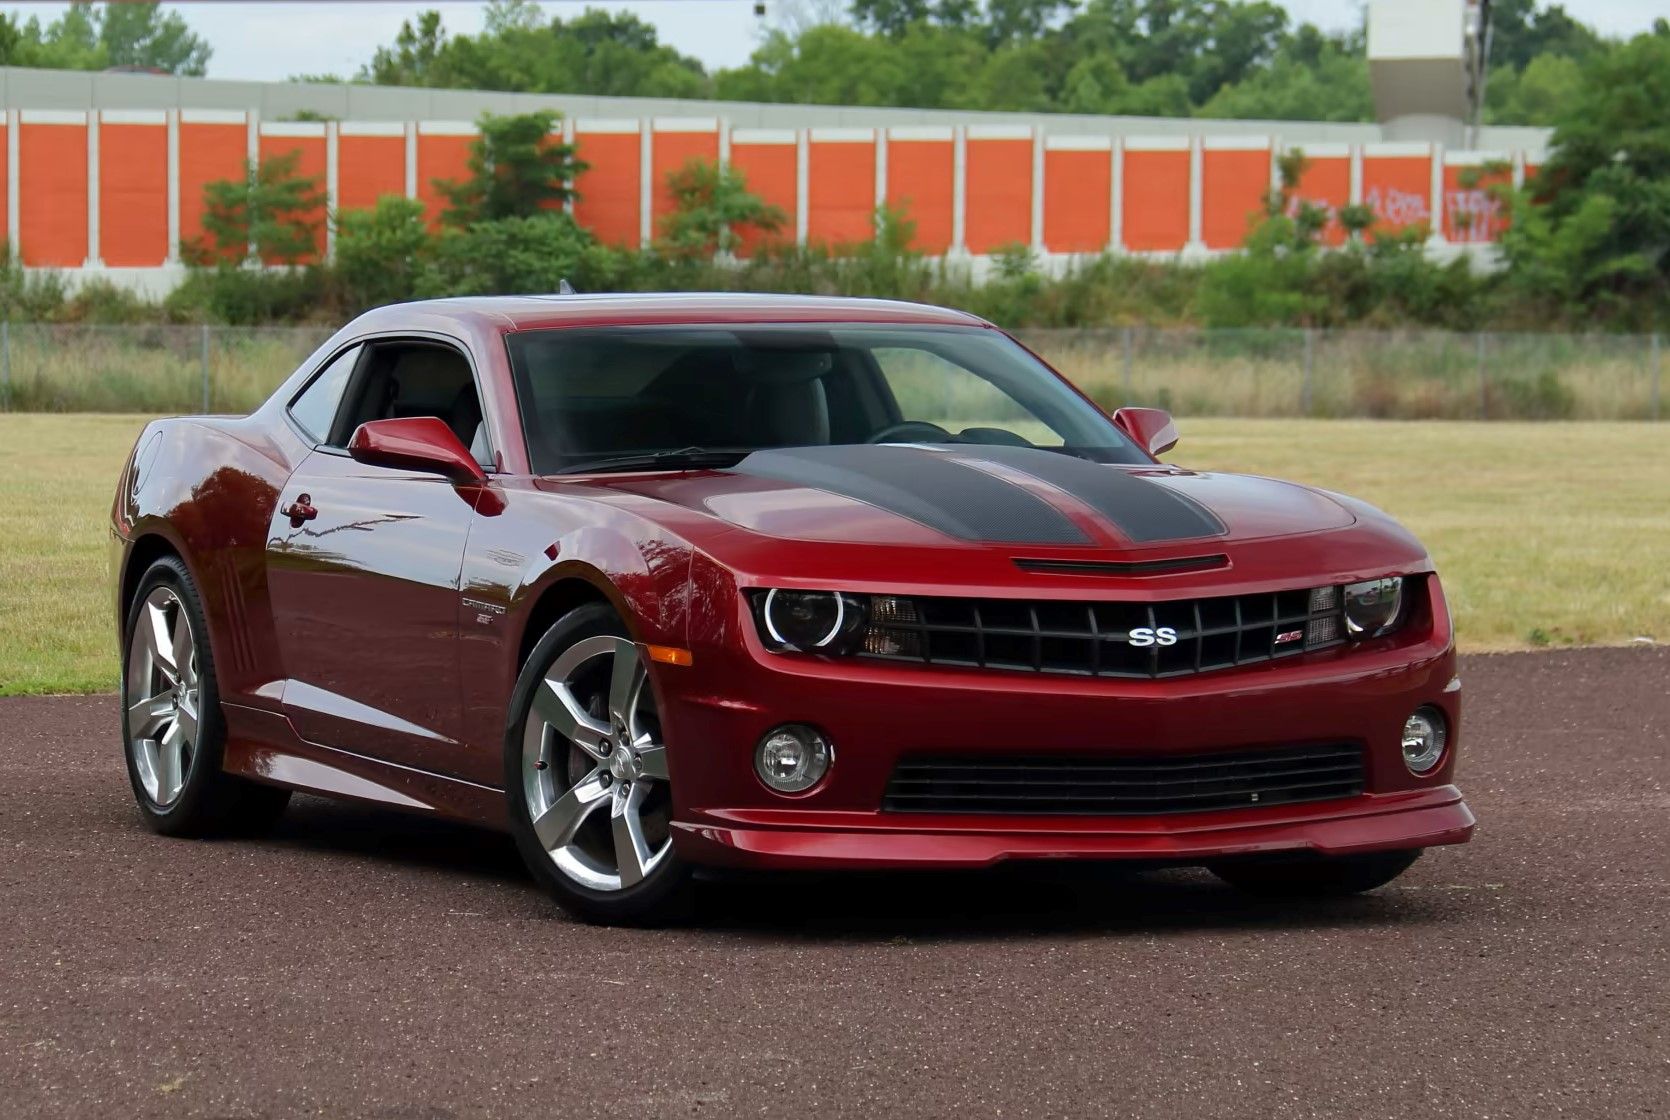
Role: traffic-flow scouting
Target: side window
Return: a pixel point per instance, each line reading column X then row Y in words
column 316, row 407
column 409, row 379
column 939, row 391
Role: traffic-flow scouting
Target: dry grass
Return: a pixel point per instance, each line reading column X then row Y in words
column 1408, row 376
column 1544, row 533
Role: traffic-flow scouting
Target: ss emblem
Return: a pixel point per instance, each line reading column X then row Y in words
column 1145, row 636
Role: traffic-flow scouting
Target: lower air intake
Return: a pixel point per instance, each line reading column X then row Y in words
column 1107, row 785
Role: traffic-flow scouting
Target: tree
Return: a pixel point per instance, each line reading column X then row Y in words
column 1519, row 32
column 94, row 37
column 1594, row 229
column 273, row 210
column 597, row 52
column 516, row 170
column 712, row 207
column 141, row 34
column 1534, row 95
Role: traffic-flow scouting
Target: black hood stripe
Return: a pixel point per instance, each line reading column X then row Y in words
column 936, row 490
column 1144, row 511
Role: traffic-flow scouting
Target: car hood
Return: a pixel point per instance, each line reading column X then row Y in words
column 946, row 496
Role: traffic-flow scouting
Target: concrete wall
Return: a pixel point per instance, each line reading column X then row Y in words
column 104, row 173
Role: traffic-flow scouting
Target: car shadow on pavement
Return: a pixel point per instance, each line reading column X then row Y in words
column 1030, row 899
column 1015, row 900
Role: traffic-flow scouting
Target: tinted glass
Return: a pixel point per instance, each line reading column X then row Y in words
column 316, row 407
column 593, row 394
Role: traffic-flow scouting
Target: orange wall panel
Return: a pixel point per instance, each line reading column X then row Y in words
column 133, row 195
column 841, row 191
column 310, row 165
column 1078, row 188
column 367, row 168
column 1472, row 214
column 1234, row 185
column 769, row 172
column 442, row 158
column 1155, row 207
column 208, row 153
column 609, row 189
column 998, row 196
column 52, row 194
column 1326, row 183
column 670, row 151
column 1399, row 190
column 921, row 180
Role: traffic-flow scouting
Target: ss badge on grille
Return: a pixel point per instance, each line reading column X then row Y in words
column 1145, row 636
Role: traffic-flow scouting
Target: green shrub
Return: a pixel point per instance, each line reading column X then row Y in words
column 381, row 253
column 508, row 256
column 251, row 295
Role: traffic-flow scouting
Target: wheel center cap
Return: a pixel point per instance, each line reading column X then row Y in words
column 624, row 764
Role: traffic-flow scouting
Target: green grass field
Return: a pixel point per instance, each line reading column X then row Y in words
column 1544, row 533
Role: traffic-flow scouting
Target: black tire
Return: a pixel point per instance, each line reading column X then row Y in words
column 210, row 801
column 666, row 894
column 1315, row 876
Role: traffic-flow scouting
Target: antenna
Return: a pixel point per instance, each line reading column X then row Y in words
column 564, row 288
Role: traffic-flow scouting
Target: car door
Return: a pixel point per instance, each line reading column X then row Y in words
column 363, row 566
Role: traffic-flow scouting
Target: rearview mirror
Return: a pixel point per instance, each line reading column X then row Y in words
column 416, row 443
column 1151, row 428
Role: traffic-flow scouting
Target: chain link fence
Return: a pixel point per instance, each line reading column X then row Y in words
column 1277, row 373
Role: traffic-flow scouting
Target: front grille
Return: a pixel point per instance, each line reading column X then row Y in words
column 1123, row 786
column 1175, row 638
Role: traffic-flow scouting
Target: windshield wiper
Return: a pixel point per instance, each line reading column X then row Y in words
column 680, row 458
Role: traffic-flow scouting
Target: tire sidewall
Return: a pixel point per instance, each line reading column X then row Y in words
column 187, row 810
column 659, row 898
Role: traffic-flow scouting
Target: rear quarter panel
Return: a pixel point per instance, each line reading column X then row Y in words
column 205, row 488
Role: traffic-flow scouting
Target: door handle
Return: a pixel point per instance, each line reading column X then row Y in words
column 300, row 510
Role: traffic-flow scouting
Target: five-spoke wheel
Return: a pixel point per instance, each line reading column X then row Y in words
column 163, row 696
column 588, row 776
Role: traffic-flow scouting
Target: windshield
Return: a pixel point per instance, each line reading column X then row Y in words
column 654, row 397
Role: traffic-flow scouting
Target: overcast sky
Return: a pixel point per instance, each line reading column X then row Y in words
column 272, row 41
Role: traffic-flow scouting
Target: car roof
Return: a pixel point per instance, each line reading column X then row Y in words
column 534, row 312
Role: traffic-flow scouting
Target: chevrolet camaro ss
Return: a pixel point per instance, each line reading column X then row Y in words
column 668, row 584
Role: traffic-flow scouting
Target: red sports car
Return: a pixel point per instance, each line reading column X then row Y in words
column 671, row 583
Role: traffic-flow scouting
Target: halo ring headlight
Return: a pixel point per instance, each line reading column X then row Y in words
column 804, row 620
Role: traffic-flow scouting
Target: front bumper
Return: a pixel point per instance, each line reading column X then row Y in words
column 875, row 713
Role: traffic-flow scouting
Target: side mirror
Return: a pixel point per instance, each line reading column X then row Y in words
column 1151, row 428
column 417, row 443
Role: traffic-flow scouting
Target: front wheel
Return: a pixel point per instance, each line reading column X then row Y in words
column 586, row 776
column 1314, row 876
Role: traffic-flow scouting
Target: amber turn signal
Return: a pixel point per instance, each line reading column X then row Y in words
column 669, row 655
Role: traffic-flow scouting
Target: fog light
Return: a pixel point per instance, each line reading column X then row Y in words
column 1424, row 736
column 793, row 758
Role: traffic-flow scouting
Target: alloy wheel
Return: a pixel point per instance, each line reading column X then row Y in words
column 594, row 767
column 163, row 696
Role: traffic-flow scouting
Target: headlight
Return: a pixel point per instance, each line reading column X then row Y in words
column 1373, row 607
column 810, row 621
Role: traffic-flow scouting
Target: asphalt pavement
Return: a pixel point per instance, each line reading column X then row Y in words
column 360, row 963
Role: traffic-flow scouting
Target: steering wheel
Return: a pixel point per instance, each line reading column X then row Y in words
column 912, row 431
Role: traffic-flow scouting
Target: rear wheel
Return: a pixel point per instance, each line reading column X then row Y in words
column 1315, row 876
column 586, row 775
column 171, row 720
